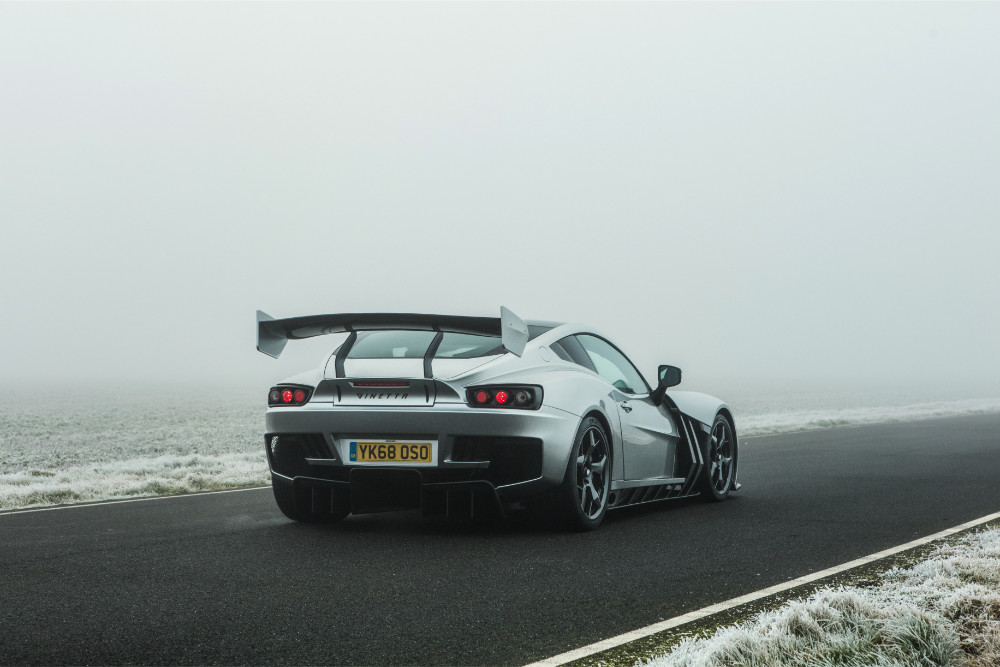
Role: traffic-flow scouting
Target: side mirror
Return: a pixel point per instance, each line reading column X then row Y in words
column 667, row 376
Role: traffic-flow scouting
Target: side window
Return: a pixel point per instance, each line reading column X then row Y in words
column 569, row 348
column 612, row 365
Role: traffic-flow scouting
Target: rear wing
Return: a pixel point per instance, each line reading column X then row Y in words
column 272, row 334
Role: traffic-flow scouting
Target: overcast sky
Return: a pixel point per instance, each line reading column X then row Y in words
column 779, row 191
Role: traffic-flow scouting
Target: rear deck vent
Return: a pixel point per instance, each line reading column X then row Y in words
column 288, row 452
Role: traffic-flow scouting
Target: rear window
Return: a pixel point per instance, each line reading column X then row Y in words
column 391, row 345
column 398, row 344
column 414, row 344
column 466, row 346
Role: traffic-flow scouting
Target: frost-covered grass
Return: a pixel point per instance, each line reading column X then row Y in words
column 790, row 420
column 153, row 476
column 943, row 611
column 63, row 447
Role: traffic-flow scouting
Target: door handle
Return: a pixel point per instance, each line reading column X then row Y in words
column 625, row 406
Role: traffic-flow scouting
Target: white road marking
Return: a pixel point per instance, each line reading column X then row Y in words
column 131, row 500
column 612, row 642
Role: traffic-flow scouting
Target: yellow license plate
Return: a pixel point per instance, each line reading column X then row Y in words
column 413, row 452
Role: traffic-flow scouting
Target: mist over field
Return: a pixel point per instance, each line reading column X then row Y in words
column 797, row 204
column 772, row 194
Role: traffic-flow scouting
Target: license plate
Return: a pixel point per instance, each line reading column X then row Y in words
column 408, row 452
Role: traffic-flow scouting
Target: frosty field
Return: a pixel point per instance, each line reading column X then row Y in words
column 66, row 446
column 62, row 448
column 942, row 611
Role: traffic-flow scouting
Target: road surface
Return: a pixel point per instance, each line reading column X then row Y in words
column 225, row 578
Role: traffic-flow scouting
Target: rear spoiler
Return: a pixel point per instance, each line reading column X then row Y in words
column 272, row 334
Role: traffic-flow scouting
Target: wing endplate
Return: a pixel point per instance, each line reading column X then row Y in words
column 514, row 332
column 269, row 340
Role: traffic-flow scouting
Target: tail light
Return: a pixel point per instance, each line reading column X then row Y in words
column 506, row 396
column 288, row 395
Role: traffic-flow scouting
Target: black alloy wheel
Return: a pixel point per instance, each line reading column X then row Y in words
column 583, row 496
column 720, row 461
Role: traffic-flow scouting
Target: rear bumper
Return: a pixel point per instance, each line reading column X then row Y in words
column 387, row 490
column 486, row 456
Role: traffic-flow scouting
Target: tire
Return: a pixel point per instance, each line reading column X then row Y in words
column 721, row 454
column 295, row 505
column 582, row 499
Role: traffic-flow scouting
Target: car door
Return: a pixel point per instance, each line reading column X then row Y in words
column 649, row 436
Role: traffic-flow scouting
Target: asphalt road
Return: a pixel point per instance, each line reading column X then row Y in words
column 226, row 579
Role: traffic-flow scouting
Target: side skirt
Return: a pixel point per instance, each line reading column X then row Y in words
column 646, row 491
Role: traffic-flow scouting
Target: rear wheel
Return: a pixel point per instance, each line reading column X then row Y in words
column 720, row 455
column 583, row 496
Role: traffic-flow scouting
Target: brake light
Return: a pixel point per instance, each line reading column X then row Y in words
column 506, row 397
column 288, row 396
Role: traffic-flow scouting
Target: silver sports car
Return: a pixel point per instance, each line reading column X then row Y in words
column 470, row 415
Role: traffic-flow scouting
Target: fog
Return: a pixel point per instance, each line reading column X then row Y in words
column 769, row 193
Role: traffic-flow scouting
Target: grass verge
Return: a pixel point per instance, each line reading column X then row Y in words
column 935, row 604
